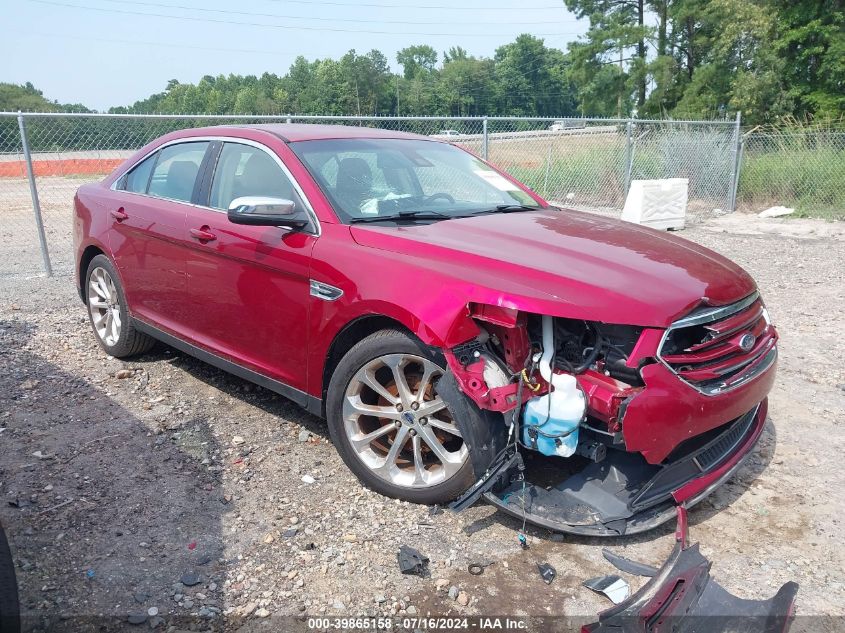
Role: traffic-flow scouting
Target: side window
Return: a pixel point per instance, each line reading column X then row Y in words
column 243, row 170
column 137, row 180
column 176, row 171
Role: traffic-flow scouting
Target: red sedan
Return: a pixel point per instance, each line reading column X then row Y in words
column 452, row 327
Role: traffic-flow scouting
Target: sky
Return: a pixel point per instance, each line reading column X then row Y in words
column 104, row 53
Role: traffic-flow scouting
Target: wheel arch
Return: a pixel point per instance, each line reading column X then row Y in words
column 354, row 331
column 90, row 252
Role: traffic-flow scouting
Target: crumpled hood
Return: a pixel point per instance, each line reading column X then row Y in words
column 568, row 263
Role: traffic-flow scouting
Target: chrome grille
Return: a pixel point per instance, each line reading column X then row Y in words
column 717, row 349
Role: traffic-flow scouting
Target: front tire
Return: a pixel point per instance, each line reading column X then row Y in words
column 108, row 311
column 9, row 603
column 389, row 425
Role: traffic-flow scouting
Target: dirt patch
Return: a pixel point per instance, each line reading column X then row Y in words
column 788, row 227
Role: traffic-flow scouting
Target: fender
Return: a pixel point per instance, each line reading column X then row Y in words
column 439, row 317
column 329, row 319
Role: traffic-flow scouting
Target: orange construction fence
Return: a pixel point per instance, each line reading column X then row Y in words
column 60, row 167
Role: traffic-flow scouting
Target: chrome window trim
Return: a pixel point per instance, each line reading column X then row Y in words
column 709, row 316
column 223, row 139
column 193, row 139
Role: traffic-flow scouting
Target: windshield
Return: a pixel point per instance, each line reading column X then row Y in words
column 370, row 179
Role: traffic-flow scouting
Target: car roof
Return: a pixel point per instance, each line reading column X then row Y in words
column 293, row 132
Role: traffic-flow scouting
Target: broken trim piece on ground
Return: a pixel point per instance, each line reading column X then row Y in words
column 614, row 587
column 411, row 561
column 683, row 598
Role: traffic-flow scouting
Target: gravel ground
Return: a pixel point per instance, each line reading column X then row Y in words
column 164, row 488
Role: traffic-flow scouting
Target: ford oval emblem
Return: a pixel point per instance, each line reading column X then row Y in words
column 408, row 417
column 746, row 343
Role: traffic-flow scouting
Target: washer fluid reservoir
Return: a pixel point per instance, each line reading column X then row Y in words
column 550, row 422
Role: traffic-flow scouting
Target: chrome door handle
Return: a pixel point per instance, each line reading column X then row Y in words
column 203, row 234
column 120, row 215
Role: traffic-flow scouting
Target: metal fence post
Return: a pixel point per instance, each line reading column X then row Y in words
column 629, row 157
column 738, row 174
column 736, row 153
column 484, row 139
column 33, row 191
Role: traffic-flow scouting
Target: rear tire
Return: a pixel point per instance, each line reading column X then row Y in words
column 382, row 393
column 108, row 311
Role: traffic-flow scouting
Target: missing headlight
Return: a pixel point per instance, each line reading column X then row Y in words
column 581, row 345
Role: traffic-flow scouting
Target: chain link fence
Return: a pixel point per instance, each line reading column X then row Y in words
column 797, row 167
column 586, row 164
column 20, row 252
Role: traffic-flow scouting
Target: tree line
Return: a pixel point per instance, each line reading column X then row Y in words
column 525, row 77
column 768, row 59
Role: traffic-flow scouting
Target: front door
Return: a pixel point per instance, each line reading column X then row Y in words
column 248, row 286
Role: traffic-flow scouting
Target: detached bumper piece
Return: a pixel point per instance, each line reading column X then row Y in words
column 683, row 598
column 624, row 494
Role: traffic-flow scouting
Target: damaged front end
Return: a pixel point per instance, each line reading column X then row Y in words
column 595, row 433
column 682, row 597
column 623, row 494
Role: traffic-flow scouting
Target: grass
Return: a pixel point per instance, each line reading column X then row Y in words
column 812, row 180
column 799, row 168
column 596, row 176
column 593, row 176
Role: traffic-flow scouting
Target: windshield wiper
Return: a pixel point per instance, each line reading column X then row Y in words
column 403, row 215
column 508, row 208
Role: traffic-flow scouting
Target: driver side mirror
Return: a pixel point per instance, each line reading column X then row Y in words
column 265, row 211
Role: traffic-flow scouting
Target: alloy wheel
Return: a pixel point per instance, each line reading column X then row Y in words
column 398, row 426
column 104, row 306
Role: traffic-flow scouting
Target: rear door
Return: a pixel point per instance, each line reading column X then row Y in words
column 248, row 286
column 148, row 211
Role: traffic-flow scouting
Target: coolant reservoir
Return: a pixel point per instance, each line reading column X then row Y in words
column 550, row 422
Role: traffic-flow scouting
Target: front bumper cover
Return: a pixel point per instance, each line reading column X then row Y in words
column 624, row 494
column 683, row 598
column 667, row 412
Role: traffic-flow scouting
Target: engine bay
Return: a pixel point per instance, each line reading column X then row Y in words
column 502, row 368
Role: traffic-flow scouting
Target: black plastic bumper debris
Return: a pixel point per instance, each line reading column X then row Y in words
column 622, row 494
column 628, row 566
column 547, row 572
column 411, row 561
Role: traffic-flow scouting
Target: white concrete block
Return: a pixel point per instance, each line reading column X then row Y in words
column 660, row 204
